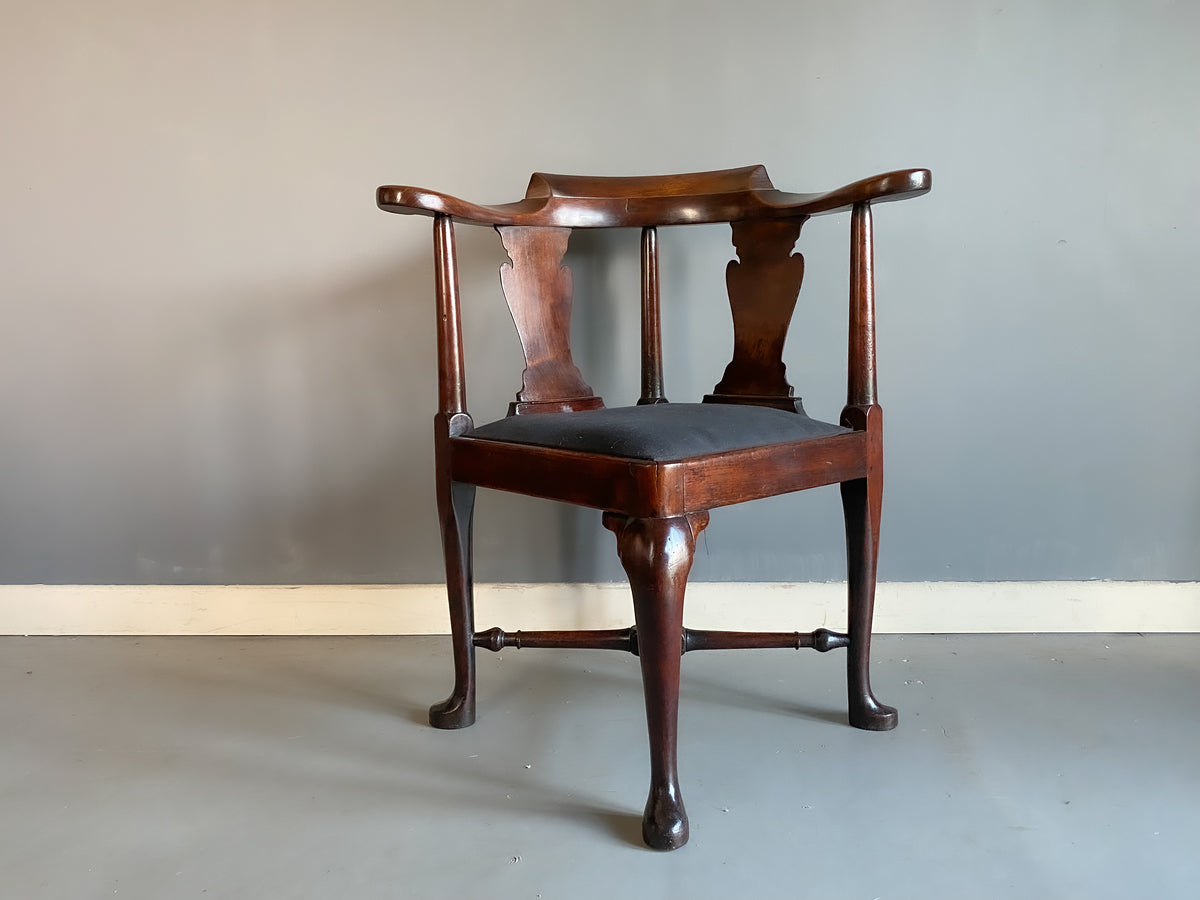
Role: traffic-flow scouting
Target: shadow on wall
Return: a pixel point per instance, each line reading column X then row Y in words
column 279, row 434
column 297, row 441
column 241, row 436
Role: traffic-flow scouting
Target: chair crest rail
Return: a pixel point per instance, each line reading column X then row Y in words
column 727, row 195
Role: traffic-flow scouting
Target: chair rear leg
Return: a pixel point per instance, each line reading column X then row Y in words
column 657, row 556
column 861, row 503
column 456, row 507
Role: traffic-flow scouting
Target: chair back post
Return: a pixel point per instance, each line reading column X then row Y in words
column 652, row 373
column 452, row 385
column 860, row 390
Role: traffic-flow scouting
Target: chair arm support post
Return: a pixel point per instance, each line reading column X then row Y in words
column 652, row 372
column 860, row 388
column 452, row 385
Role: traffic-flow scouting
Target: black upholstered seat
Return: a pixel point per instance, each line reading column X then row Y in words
column 659, row 432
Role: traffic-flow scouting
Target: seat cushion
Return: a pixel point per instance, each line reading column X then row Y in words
column 659, row 432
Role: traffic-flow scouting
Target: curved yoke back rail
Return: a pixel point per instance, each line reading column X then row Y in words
column 656, row 468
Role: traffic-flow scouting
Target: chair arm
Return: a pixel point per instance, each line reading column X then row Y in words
column 898, row 185
column 422, row 202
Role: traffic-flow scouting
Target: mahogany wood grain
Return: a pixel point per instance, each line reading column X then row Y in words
column 539, row 289
column 652, row 362
column 452, row 383
column 822, row 640
column 860, row 387
column 644, row 488
column 728, row 195
column 657, row 556
column 862, row 503
column 763, row 283
column 456, row 507
column 584, row 479
column 497, row 639
column 743, row 475
column 455, row 501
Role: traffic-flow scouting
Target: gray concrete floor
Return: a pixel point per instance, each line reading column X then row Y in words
column 1024, row 766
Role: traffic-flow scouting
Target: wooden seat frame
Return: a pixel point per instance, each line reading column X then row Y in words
column 656, row 508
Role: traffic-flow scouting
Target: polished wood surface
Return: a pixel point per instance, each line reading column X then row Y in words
column 661, row 488
column 539, row 290
column 455, row 500
column 452, row 383
column 657, row 506
column 860, row 383
column 862, row 503
column 730, row 195
column 657, row 556
column 821, row 640
column 763, row 284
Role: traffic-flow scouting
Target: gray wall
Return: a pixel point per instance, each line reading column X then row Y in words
column 217, row 363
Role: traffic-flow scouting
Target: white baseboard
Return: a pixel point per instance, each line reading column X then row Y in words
column 901, row 607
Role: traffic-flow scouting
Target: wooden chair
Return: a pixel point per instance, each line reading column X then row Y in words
column 655, row 469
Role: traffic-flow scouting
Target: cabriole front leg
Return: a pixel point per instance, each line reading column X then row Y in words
column 657, row 556
column 456, row 506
